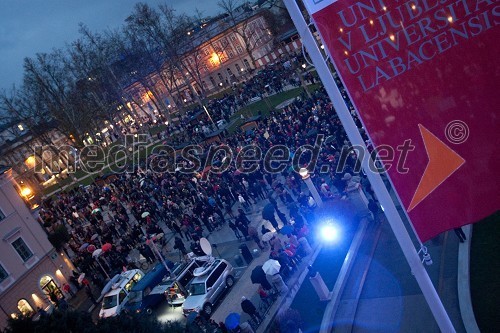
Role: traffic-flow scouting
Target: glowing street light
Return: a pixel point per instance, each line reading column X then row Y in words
column 306, row 177
column 330, row 232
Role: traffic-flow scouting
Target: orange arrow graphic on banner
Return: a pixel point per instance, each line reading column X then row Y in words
column 443, row 162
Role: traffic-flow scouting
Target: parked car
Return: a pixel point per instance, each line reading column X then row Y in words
column 174, row 289
column 116, row 292
column 206, row 288
column 142, row 298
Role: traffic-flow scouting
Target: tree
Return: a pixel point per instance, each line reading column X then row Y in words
column 25, row 106
column 165, row 32
column 57, row 322
column 144, row 66
column 251, row 33
column 59, row 236
column 81, row 322
column 47, row 81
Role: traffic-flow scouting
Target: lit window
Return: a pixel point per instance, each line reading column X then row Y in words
column 22, row 249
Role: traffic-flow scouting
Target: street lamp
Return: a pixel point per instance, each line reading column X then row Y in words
column 209, row 117
column 306, row 177
column 102, row 268
column 329, row 232
column 153, row 245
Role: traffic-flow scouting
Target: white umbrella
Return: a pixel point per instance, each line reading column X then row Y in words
column 145, row 214
column 94, row 236
column 267, row 236
column 270, row 267
column 97, row 253
column 81, row 277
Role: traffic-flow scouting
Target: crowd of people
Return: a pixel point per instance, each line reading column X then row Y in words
column 127, row 209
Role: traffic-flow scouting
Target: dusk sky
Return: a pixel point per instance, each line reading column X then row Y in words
column 37, row 26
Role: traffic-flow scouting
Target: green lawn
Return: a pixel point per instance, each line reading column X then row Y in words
column 485, row 273
column 157, row 129
column 267, row 105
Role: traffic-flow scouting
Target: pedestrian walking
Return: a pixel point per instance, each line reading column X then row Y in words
column 373, row 207
column 282, row 217
column 243, row 229
column 243, row 202
column 264, row 296
column 229, row 210
column 253, row 233
column 89, row 293
column 248, row 307
column 67, row 289
column 235, row 230
column 53, row 297
column 179, row 245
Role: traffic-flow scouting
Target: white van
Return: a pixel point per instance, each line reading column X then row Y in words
column 117, row 292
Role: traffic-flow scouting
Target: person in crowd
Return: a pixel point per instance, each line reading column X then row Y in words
column 248, row 307
column 253, row 233
column 235, row 230
column 179, row 245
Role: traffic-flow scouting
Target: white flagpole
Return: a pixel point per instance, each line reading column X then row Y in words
column 375, row 179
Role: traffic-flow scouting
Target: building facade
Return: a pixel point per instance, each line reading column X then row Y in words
column 31, row 271
column 218, row 54
column 37, row 161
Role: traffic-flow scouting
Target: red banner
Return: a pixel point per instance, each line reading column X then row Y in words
column 424, row 76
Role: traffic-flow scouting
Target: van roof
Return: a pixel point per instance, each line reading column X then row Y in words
column 122, row 281
column 152, row 278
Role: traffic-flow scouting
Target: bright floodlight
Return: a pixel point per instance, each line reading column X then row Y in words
column 329, row 233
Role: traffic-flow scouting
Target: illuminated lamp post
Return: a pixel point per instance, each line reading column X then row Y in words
column 153, row 245
column 306, row 177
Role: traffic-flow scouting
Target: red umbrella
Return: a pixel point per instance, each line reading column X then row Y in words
column 91, row 248
column 106, row 247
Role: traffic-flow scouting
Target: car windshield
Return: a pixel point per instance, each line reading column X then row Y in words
column 135, row 296
column 109, row 302
column 197, row 289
